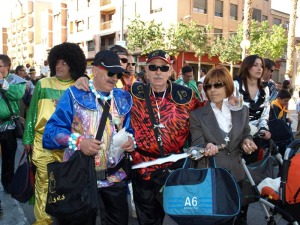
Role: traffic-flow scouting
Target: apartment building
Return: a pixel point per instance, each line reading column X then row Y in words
column 35, row 26
column 38, row 25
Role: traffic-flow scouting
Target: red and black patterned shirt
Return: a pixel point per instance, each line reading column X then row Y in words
column 174, row 111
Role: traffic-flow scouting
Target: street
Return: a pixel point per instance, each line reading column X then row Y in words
column 22, row 213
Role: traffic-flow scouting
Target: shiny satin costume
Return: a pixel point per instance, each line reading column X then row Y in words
column 46, row 95
column 80, row 112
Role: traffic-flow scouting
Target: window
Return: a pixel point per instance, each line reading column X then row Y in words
column 71, row 27
column 256, row 15
column 277, row 21
column 218, row 8
column 155, row 6
column 218, row 32
column 200, row 6
column 79, row 25
column 91, row 46
column 111, row 41
column 90, row 22
column 233, row 11
column 103, row 18
column 264, row 18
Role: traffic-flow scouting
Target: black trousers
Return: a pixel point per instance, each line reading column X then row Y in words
column 8, row 148
column 113, row 207
column 147, row 201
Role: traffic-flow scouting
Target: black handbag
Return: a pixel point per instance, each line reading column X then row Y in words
column 22, row 185
column 72, row 188
column 19, row 122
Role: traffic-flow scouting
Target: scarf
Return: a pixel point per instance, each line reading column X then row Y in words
column 282, row 109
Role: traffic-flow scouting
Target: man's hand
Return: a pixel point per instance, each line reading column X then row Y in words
column 128, row 146
column 82, row 83
column 90, row 146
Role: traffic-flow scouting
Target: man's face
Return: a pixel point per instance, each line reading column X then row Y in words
column 187, row 77
column 3, row 69
column 284, row 101
column 102, row 81
column 268, row 73
column 123, row 61
column 62, row 70
column 22, row 72
column 156, row 76
column 131, row 65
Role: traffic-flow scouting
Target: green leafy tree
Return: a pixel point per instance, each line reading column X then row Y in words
column 189, row 37
column 145, row 36
column 266, row 41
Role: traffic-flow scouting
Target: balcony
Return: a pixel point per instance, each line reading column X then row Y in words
column 30, row 21
column 106, row 25
column 105, row 2
column 106, row 6
column 30, row 7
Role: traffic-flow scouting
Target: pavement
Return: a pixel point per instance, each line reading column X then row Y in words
column 16, row 213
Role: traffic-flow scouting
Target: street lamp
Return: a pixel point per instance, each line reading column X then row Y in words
column 245, row 43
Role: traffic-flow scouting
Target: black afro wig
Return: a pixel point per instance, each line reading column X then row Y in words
column 72, row 54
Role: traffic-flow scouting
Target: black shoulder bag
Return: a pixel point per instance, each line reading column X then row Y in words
column 19, row 130
column 72, row 188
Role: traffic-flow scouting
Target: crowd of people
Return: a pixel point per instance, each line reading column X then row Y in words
column 161, row 117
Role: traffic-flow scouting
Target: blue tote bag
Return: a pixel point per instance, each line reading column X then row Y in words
column 201, row 196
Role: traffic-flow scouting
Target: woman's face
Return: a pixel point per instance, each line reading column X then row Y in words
column 216, row 92
column 200, row 87
column 256, row 70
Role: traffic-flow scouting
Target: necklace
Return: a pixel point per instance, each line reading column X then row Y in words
column 160, row 125
column 98, row 94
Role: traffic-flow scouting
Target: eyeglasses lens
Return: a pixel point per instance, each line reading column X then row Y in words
column 215, row 85
column 124, row 60
column 155, row 68
column 132, row 64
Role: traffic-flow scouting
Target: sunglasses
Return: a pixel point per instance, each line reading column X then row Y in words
column 110, row 74
column 124, row 60
column 132, row 64
column 215, row 85
column 162, row 68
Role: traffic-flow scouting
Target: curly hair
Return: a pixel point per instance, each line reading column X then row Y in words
column 72, row 54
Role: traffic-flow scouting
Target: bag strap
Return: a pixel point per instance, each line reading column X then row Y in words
column 152, row 119
column 187, row 163
column 103, row 119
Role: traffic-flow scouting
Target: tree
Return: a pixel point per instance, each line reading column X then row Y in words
column 145, row 36
column 265, row 41
column 291, row 40
column 226, row 49
column 189, row 37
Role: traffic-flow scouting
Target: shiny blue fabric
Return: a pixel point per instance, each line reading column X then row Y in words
column 61, row 124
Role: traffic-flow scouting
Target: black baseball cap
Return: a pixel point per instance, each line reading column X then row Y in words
column 110, row 61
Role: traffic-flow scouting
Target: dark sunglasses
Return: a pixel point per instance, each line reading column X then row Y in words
column 124, row 60
column 110, row 74
column 215, row 85
column 162, row 68
column 132, row 64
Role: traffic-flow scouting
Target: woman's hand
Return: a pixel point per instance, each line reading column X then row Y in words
column 249, row 146
column 211, row 150
column 82, row 83
column 90, row 146
column 265, row 134
column 128, row 146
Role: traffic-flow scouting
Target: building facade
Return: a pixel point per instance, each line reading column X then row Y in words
column 38, row 25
